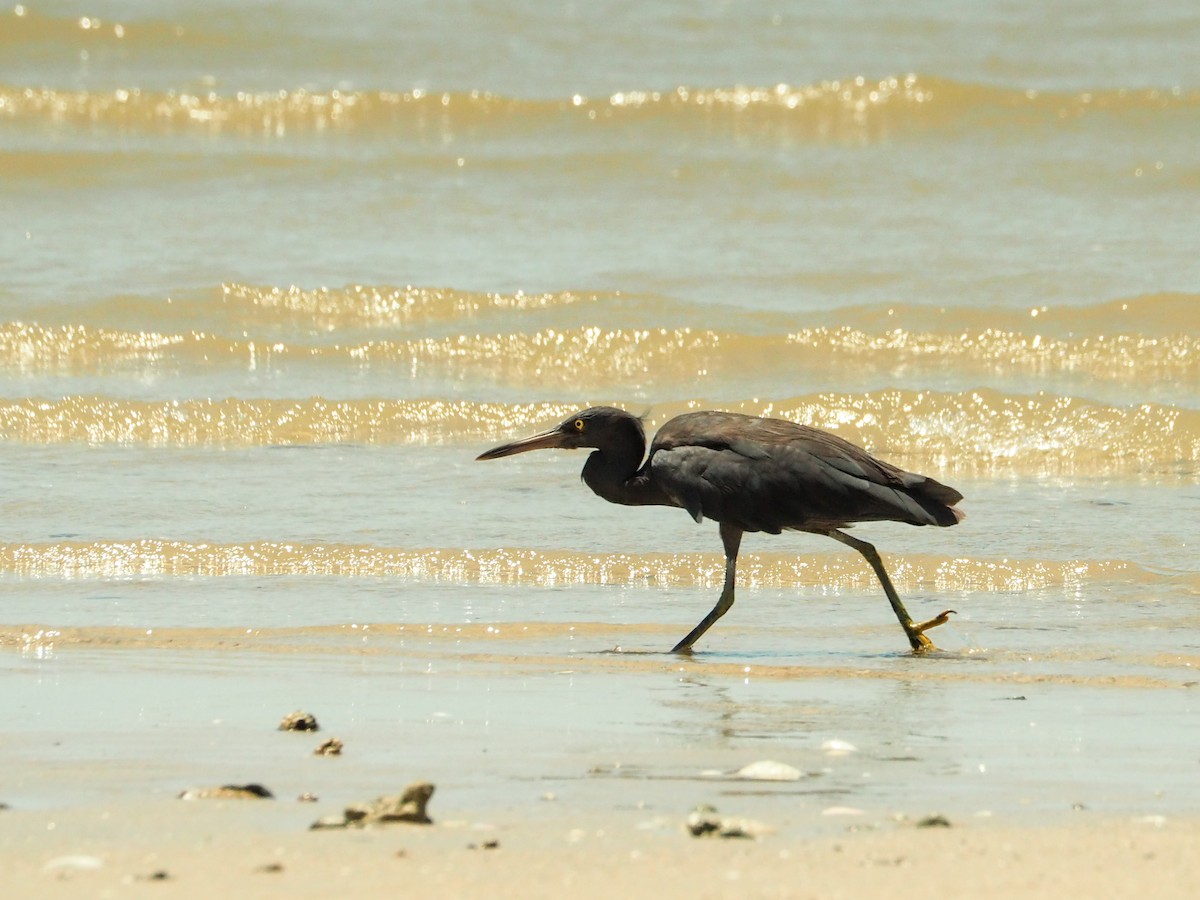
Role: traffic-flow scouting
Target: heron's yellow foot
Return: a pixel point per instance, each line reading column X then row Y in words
column 916, row 632
column 919, row 642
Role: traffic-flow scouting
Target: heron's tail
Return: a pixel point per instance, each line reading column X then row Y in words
column 938, row 500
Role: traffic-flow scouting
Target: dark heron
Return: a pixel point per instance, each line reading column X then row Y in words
column 751, row 474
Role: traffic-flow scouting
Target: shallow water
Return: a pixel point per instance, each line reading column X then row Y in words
column 272, row 280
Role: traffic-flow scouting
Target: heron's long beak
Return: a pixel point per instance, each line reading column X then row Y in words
column 547, row 440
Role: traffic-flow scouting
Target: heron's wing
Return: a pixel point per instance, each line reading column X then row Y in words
column 769, row 474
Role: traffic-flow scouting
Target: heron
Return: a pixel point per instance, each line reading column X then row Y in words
column 751, row 473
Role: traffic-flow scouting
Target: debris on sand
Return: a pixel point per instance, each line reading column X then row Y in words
column 329, row 747
column 406, row 807
column 299, row 721
column 937, row 820
column 228, row 792
column 705, row 822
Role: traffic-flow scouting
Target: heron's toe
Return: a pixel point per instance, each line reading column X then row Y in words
column 940, row 619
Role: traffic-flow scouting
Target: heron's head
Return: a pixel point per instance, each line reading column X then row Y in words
column 598, row 426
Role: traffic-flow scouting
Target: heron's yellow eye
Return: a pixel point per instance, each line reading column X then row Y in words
column 579, row 424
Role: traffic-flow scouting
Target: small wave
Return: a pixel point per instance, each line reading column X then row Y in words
column 155, row 558
column 242, row 422
column 590, row 356
column 975, row 433
column 853, row 109
column 326, row 310
column 356, row 306
column 1146, row 314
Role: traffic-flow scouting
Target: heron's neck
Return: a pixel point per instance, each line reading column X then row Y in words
column 613, row 473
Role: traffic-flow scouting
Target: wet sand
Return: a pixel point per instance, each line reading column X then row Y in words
column 583, row 764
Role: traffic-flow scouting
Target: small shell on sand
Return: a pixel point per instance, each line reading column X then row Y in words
column 228, row 792
column 407, row 807
column 299, row 721
column 77, row 862
column 769, row 770
column 838, row 747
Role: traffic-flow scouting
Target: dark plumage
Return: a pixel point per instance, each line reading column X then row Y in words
column 751, row 474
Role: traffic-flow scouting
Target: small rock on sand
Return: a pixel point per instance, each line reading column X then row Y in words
column 407, row 807
column 299, row 721
column 228, row 792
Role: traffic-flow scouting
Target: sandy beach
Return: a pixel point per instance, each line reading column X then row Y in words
column 233, row 848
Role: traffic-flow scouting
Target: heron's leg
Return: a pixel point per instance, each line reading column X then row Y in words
column 915, row 631
column 732, row 538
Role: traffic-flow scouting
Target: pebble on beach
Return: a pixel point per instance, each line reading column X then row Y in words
column 228, row 792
